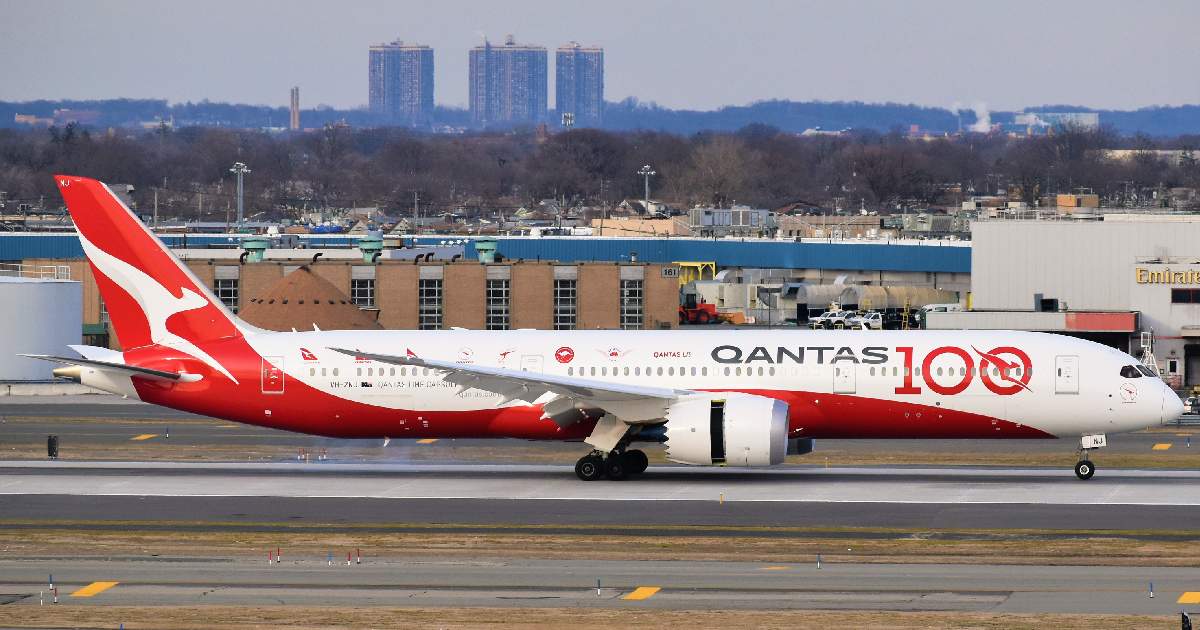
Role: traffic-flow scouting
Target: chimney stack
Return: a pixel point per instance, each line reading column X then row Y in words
column 294, row 120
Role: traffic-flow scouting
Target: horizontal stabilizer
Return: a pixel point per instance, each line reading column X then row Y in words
column 131, row 370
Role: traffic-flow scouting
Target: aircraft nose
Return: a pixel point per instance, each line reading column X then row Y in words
column 1172, row 406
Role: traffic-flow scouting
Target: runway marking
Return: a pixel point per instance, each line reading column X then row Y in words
column 642, row 592
column 775, row 568
column 144, row 436
column 427, row 441
column 1162, row 446
column 95, row 588
column 1190, row 597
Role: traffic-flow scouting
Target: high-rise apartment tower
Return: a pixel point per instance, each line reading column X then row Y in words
column 401, row 83
column 579, row 84
column 507, row 84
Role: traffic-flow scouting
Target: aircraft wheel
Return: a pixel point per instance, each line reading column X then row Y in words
column 1084, row 469
column 589, row 468
column 616, row 467
column 636, row 462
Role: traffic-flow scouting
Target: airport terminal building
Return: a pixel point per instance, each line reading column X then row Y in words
column 1131, row 281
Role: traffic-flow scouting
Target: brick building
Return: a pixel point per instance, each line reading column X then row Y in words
column 403, row 295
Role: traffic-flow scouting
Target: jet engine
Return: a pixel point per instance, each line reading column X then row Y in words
column 727, row 429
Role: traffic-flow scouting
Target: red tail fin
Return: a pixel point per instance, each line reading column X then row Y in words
column 152, row 298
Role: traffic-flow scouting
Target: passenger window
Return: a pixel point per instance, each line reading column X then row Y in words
column 703, row 371
column 727, row 371
column 323, row 371
column 312, row 371
column 1130, row 371
column 660, row 371
column 626, row 371
column 637, row 371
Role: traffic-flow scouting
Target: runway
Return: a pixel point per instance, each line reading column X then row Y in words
column 460, row 488
column 551, row 495
column 632, row 584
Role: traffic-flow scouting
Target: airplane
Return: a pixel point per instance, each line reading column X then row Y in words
column 715, row 397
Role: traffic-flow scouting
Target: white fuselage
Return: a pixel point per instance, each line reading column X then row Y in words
column 1074, row 387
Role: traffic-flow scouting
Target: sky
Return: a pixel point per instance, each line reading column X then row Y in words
column 702, row 54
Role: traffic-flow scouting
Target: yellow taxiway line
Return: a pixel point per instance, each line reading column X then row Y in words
column 642, row 592
column 95, row 588
column 427, row 441
column 144, row 436
column 1162, row 446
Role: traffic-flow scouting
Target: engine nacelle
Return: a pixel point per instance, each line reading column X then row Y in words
column 729, row 429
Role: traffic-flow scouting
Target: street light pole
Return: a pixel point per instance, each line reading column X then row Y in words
column 239, row 169
column 646, row 172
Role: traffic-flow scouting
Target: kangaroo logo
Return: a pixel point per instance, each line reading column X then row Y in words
column 1007, row 369
column 155, row 301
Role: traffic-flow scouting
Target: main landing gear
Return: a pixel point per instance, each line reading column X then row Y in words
column 616, row 466
column 1084, row 468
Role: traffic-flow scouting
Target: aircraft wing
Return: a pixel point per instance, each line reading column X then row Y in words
column 570, row 396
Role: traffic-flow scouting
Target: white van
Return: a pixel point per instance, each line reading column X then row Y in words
column 941, row 308
column 921, row 315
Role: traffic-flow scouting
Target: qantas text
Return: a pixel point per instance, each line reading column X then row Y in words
column 871, row 355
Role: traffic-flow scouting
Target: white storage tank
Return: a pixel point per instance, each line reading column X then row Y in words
column 37, row 316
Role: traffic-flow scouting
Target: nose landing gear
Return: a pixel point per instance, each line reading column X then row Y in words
column 1084, row 468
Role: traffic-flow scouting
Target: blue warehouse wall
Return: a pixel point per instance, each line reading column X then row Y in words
column 931, row 256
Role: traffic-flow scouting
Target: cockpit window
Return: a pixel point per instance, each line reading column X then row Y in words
column 1145, row 370
column 1130, row 371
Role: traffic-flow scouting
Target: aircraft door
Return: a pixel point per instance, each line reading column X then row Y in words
column 531, row 363
column 1066, row 374
column 845, row 378
column 272, row 375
